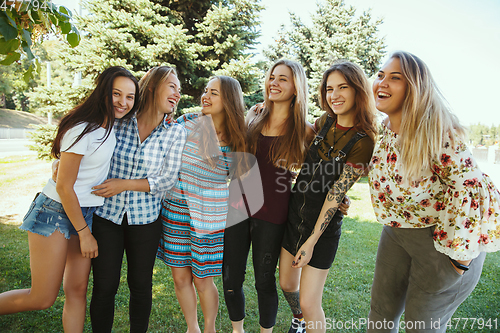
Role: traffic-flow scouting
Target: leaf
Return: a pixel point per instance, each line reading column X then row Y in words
column 27, row 36
column 28, row 74
column 53, row 19
column 10, row 58
column 7, row 30
column 65, row 27
column 7, row 47
column 73, row 39
column 38, row 66
column 27, row 49
column 31, row 17
column 65, row 11
column 35, row 17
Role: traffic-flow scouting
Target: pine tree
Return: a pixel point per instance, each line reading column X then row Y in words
column 336, row 33
column 199, row 38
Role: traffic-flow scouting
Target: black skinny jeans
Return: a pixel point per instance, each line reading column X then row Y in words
column 265, row 238
column 140, row 242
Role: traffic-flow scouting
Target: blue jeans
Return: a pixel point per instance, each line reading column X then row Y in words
column 46, row 216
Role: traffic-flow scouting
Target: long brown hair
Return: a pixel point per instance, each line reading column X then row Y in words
column 288, row 151
column 364, row 106
column 97, row 110
column 234, row 107
column 149, row 84
column 234, row 127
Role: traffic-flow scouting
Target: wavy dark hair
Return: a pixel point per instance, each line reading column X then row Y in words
column 97, row 110
column 364, row 106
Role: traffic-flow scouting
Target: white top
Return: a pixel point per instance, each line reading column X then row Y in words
column 454, row 196
column 94, row 166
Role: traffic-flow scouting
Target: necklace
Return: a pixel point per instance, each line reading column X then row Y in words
column 330, row 151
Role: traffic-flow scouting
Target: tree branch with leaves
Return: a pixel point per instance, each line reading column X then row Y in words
column 25, row 22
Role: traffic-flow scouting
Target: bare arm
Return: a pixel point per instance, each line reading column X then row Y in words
column 114, row 186
column 253, row 112
column 66, row 177
column 332, row 202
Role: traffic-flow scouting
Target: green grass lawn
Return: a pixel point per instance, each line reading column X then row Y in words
column 346, row 294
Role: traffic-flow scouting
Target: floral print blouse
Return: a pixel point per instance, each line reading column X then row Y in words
column 455, row 196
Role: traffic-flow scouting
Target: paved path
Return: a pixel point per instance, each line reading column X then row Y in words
column 9, row 147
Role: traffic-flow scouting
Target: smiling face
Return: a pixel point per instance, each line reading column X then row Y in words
column 123, row 96
column 389, row 88
column 280, row 86
column 168, row 94
column 340, row 96
column 211, row 101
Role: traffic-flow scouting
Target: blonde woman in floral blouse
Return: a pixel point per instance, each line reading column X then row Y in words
column 440, row 212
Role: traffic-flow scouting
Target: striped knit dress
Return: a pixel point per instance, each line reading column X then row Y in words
column 194, row 212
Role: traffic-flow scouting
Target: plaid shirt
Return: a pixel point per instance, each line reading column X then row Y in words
column 157, row 159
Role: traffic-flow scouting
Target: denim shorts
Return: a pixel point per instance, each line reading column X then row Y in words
column 46, row 216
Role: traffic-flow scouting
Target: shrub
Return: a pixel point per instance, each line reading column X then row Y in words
column 43, row 136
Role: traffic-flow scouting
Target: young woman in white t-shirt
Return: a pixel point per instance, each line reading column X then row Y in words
column 59, row 220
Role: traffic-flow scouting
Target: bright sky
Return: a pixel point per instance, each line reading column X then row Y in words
column 458, row 39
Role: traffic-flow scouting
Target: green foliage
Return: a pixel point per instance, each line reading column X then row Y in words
column 244, row 70
column 336, row 33
column 43, row 137
column 60, row 96
column 483, row 135
column 59, row 99
column 12, row 83
column 25, row 22
column 199, row 38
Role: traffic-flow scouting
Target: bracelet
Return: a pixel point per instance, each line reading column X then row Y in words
column 83, row 228
column 459, row 265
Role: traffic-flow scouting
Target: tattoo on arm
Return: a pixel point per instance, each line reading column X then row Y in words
column 303, row 253
column 348, row 177
column 328, row 217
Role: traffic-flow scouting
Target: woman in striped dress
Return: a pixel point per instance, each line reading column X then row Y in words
column 194, row 212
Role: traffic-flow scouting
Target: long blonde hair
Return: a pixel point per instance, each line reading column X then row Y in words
column 427, row 121
column 291, row 152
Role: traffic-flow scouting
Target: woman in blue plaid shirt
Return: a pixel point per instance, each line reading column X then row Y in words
column 144, row 166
